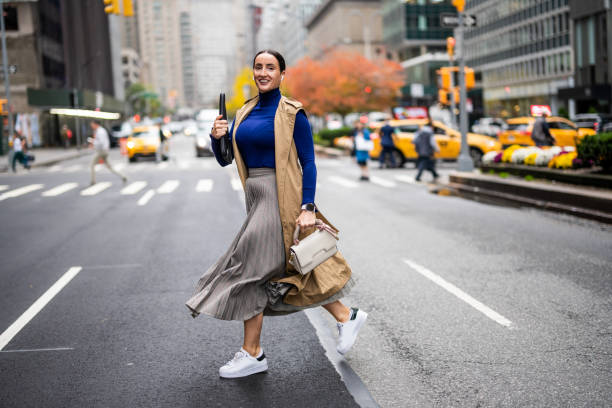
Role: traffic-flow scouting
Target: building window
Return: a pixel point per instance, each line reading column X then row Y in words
column 578, row 45
column 591, row 39
column 11, row 22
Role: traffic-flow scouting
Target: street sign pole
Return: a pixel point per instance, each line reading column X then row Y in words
column 7, row 81
column 464, row 162
column 452, row 96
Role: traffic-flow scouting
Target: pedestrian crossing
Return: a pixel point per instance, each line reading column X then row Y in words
column 146, row 190
column 181, row 165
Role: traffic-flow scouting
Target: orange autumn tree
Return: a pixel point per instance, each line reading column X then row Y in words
column 339, row 83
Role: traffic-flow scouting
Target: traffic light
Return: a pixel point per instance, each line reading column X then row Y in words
column 450, row 46
column 3, row 107
column 112, row 7
column 444, row 96
column 459, row 5
column 445, row 77
column 470, row 79
column 128, row 8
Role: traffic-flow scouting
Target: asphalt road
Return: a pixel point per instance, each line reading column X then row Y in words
column 470, row 304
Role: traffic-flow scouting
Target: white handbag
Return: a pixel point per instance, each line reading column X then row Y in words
column 361, row 143
column 313, row 250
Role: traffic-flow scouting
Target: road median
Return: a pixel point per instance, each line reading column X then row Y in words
column 582, row 201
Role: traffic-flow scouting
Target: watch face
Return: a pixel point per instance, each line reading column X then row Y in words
column 310, row 207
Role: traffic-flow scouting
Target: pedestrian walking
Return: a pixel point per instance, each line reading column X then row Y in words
column 274, row 151
column 66, row 135
column 387, row 143
column 425, row 146
column 101, row 145
column 19, row 154
column 363, row 145
column 160, row 152
column 541, row 132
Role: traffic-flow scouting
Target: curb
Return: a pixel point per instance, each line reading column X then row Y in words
column 329, row 151
column 49, row 162
column 576, row 177
column 585, row 203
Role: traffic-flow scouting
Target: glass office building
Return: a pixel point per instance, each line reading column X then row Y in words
column 523, row 49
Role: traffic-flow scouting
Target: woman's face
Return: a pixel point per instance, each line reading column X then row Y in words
column 266, row 72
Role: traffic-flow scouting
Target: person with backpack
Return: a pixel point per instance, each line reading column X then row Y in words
column 426, row 147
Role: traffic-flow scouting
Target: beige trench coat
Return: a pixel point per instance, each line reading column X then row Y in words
column 329, row 277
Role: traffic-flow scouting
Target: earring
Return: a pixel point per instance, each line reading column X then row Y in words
column 282, row 77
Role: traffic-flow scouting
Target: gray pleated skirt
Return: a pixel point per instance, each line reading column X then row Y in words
column 237, row 286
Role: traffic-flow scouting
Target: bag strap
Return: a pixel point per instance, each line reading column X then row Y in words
column 320, row 225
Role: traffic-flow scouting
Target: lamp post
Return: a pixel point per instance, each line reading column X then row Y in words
column 7, row 81
column 465, row 162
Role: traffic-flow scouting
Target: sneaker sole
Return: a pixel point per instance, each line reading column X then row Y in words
column 359, row 324
column 246, row 373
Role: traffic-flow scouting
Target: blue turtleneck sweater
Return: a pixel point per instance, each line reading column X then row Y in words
column 255, row 139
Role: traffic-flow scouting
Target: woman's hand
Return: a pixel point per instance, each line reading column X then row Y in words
column 306, row 220
column 220, row 128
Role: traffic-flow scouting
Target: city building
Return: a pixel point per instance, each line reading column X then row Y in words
column 131, row 62
column 130, row 67
column 61, row 53
column 160, row 48
column 346, row 25
column 414, row 36
column 592, row 90
column 524, row 51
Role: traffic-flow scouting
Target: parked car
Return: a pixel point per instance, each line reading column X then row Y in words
column 596, row 121
column 489, row 126
column 447, row 138
column 144, row 141
column 565, row 132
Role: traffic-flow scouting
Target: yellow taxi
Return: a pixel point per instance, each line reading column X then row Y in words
column 565, row 132
column 145, row 141
column 447, row 138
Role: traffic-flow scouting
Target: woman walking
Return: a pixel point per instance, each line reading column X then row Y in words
column 363, row 145
column 274, row 152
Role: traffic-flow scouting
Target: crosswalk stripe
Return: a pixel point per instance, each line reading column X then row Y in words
column 55, row 168
column 73, row 168
column 236, row 184
column 146, row 197
column 134, row 188
column 405, row 179
column 382, row 182
column 21, row 191
column 96, row 188
column 204, row 185
column 343, row 182
column 61, row 189
column 168, row 187
column 3, row 187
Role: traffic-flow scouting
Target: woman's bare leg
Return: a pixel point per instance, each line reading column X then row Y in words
column 252, row 334
column 340, row 312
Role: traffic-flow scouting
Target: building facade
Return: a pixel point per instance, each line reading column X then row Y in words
column 592, row 90
column 346, row 25
column 415, row 37
column 160, row 48
column 523, row 49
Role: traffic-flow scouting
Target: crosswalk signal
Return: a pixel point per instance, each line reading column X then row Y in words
column 128, row 8
column 470, row 79
column 450, row 46
column 111, row 7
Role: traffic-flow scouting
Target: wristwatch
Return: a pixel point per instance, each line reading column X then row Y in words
column 309, row 207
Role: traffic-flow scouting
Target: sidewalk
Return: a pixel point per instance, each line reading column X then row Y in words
column 581, row 201
column 46, row 157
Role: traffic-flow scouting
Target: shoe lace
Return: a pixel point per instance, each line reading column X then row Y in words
column 237, row 357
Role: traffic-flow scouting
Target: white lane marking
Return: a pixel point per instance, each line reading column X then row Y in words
column 73, row 168
column 382, row 182
column 61, row 189
column 482, row 308
column 38, row 349
column 134, row 188
column 37, row 306
column 146, row 197
column 162, row 165
column 168, row 187
column 204, row 185
column 406, row 179
column 344, row 182
column 4, row 187
column 20, row 191
column 236, row 184
column 55, row 168
column 96, row 188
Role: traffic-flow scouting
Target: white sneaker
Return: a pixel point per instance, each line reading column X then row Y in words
column 347, row 332
column 243, row 364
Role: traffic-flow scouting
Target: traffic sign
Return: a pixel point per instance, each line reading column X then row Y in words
column 452, row 20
